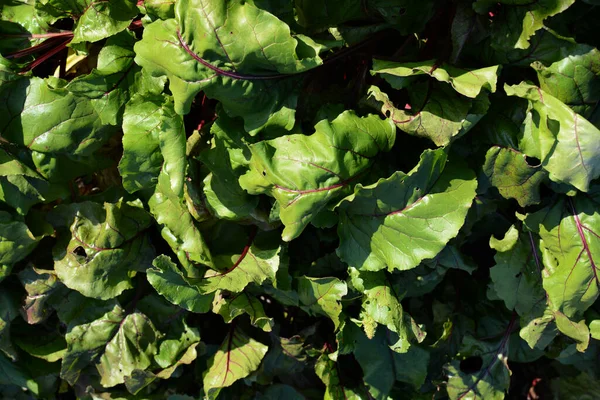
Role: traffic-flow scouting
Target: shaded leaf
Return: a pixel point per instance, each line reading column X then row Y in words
column 565, row 142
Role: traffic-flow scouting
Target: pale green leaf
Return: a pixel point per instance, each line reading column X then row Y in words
column 567, row 144
column 322, row 296
column 398, row 222
column 468, row 82
column 238, row 356
column 305, row 173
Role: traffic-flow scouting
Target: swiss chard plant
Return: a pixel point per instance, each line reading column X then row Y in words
column 299, row 199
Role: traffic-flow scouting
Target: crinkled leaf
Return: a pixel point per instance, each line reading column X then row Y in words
column 142, row 160
column 227, row 163
column 100, row 248
column 179, row 229
column 220, row 48
column 305, row 173
column 466, row 82
column 567, row 144
column 258, row 261
column 232, row 306
column 117, row 344
column 381, row 305
column 509, row 172
column 322, row 296
column 139, row 378
column 16, row 241
column 400, row 221
column 132, row 347
column 170, row 282
column 435, row 112
column 574, row 80
column 39, row 285
column 570, row 247
column 238, row 356
column 115, row 79
column 21, row 187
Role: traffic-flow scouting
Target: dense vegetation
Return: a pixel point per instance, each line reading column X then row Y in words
column 301, row 199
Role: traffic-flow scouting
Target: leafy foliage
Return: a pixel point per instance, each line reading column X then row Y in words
column 298, row 199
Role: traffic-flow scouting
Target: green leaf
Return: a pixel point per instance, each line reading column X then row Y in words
column 142, row 160
column 172, row 140
column 574, row 80
column 228, row 51
column 40, row 343
column 227, row 162
column 400, row 221
column 139, row 379
column 381, row 305
column 230, row 307
column 115, row 79
column 16, row 241
column 100, row 248
column 19, row 19
column 69, row 124
column 9, row 310
column 116, row 343
column 492, row 380
column 328, row 371
column 305, row 173
column 258, row 261
column 567, row 144
column 435, row 112
column 520, row 19
column 582, row 386
column 322, row 296
column 516, row 277
column 595, row 329
column 509, row 172
column 40, row 285
column 21, row 187
column 170, row 283
column 131, row 348
column 382, row 366
column 238, row 356
column 570, row 247
column 14, row 374
column 103, row 19
column 469, row 83
column 179, row 229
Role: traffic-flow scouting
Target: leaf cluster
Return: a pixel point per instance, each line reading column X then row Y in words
column 299, row 199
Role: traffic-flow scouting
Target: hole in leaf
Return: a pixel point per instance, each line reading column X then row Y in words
column 264, row 173
column 402, row 11
column 532, row 161
column 471, row 365
column 80, row 251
